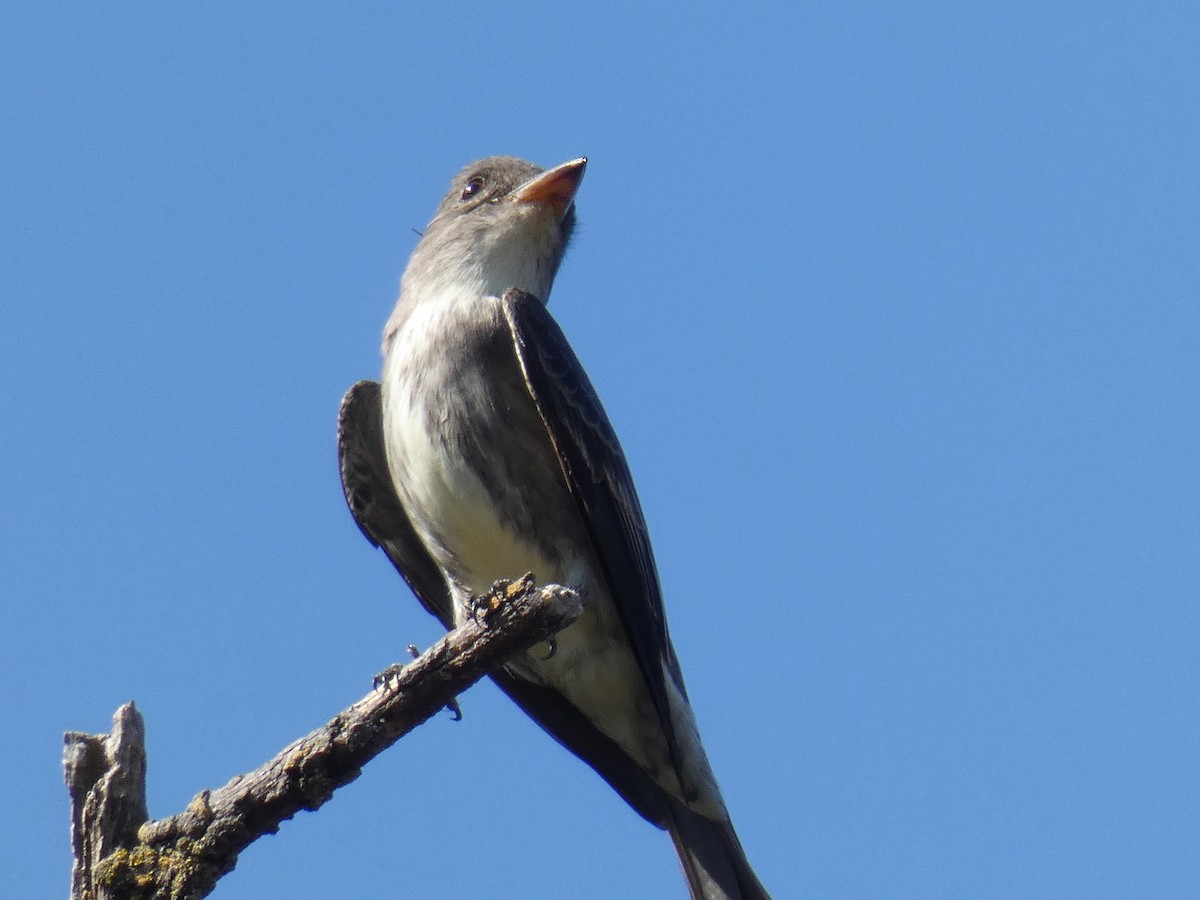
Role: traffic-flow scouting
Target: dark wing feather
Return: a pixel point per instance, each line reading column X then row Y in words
column 595, row 468
column 380, row 515
column 372, row 499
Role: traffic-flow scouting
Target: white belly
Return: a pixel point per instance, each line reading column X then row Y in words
column 449, row 505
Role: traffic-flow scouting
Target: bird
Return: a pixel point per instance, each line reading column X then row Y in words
column 484, row 453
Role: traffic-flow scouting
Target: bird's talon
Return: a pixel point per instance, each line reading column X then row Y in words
column 385, row 678
column 484, row 606
column 389, row 675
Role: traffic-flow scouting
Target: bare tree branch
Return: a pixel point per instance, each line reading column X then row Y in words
column 119, row 855
column 106, row 777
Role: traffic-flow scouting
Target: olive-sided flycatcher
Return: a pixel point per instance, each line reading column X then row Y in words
column 485, row 454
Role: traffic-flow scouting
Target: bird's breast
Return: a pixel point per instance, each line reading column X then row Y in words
column 467, row 450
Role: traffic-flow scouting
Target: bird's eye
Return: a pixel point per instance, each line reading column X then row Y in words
column 474, row 186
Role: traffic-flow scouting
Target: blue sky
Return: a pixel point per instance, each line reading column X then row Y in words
column 895, row 311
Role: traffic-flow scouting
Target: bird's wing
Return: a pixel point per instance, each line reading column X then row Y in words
column 380, row 515
column 598, row 475
column 372, row 499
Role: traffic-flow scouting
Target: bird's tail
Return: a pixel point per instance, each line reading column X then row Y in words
column 713, row 861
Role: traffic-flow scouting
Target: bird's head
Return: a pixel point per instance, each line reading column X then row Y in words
column 504, row 223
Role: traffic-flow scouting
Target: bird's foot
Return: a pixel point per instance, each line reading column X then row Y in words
column 386, row 679
column 485, row 606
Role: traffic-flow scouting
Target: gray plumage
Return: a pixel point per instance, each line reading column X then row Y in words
column 485, row 454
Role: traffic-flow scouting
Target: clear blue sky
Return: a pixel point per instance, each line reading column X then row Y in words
column 895, row 312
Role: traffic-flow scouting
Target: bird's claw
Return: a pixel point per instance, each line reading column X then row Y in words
column 388, row 676
column 484, row 607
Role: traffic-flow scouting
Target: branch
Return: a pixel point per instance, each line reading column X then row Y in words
column 119, row 855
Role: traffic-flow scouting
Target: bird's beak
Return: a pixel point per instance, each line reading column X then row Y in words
column 555, row 187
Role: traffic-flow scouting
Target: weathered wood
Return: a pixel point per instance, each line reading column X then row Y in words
column 120, row 856
column 106, row 778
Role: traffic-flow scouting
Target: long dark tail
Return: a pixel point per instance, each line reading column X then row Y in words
column 713, row 861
